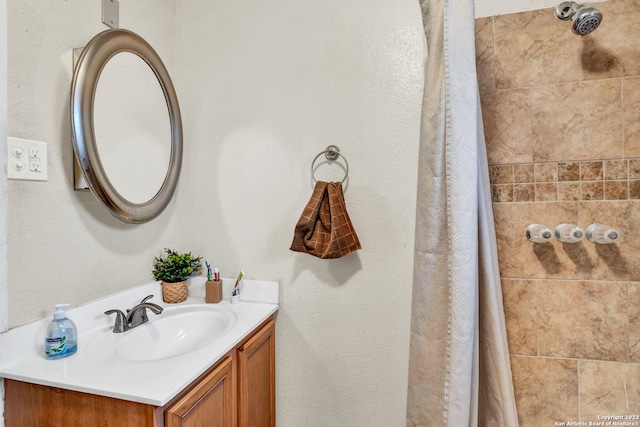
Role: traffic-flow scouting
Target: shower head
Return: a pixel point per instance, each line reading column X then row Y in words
column 584, row 19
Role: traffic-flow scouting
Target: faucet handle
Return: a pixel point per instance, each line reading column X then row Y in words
column 147, row 298
column 121, row 322
column 143, row 315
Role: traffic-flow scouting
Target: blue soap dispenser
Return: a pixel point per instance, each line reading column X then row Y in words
column 61, row 340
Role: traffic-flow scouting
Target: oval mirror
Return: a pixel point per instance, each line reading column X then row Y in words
column 127, row 130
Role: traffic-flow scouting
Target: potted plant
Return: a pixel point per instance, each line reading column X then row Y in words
column 173, row 271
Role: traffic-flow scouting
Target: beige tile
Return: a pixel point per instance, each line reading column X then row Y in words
column 582, row 319
column 591, row 171
column 523, row 173
column 507, row 126
column 634, row 322
column 524, row 192
column 546, row 192
column 569, row 171
column 612, row 50
column 634, row 189
column 616, row 190
column 631, row 107
column 591, row 190
column 545, row 172
column 634, row 169
column 546, row 390
column 519, row 258
column 615, row 169
column 527, row 50
column 520, row 305
column 568, row 191
column 598, row 62
column 608, row 388
column 484, row 54
column 502, row 193
column 502, row 174
column 618, row 261
column 577, row 121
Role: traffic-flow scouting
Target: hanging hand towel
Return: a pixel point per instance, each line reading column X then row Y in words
column 324, row 229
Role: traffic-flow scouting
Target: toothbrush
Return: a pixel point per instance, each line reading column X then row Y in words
column 235, row 287
column 208, row 271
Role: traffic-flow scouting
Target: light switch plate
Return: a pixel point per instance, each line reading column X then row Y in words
column 26, row 159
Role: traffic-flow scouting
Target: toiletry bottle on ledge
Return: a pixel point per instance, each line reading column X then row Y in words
column 61, row 336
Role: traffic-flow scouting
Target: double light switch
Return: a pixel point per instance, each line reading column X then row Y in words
column 27, row 159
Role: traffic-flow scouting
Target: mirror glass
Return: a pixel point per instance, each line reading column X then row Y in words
column 132, row 127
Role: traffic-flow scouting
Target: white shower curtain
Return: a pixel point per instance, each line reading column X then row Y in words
column 459, row 371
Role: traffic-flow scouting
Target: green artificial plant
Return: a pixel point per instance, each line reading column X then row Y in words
column 176, row 267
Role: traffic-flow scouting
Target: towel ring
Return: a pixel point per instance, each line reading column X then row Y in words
column 331, row 153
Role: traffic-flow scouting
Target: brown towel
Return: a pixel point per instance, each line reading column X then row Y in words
column 324, row 229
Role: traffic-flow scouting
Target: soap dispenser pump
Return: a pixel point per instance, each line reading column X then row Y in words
column 61, row 340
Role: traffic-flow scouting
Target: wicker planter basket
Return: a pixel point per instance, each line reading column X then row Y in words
column 174, row 292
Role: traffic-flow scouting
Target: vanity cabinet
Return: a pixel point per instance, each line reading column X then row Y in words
column 237, row 391
column 209, row 402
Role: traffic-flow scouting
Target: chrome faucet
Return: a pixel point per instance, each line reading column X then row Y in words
column 135, row 316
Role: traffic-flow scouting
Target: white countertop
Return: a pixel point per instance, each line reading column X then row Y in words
column 153, row 382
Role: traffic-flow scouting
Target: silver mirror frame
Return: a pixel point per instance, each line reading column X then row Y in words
column 94, row 57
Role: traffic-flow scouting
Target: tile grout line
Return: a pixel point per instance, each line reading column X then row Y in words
column 537, row 319
column 581, row 251
column 626, row 166
column 577, row 359
column 622, row 114
column 531, row 130
column 628, row 334
column 513, row 187
column 574, row 82
column 556, row 179
column 567, row 279
column 495, row 56
column 578, row 374
column 580, row 273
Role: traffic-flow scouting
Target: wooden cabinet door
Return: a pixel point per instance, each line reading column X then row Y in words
column 210, row 403
column 256, row 379
column 33, row 405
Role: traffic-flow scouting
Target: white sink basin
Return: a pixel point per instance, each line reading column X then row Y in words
column 176, row 331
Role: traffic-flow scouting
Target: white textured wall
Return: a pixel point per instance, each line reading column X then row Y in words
column 4, row 315
column 263, row 88
column 267, row 86
column 63, row 246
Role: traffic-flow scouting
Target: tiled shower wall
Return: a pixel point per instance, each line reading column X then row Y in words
column 562, row 123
